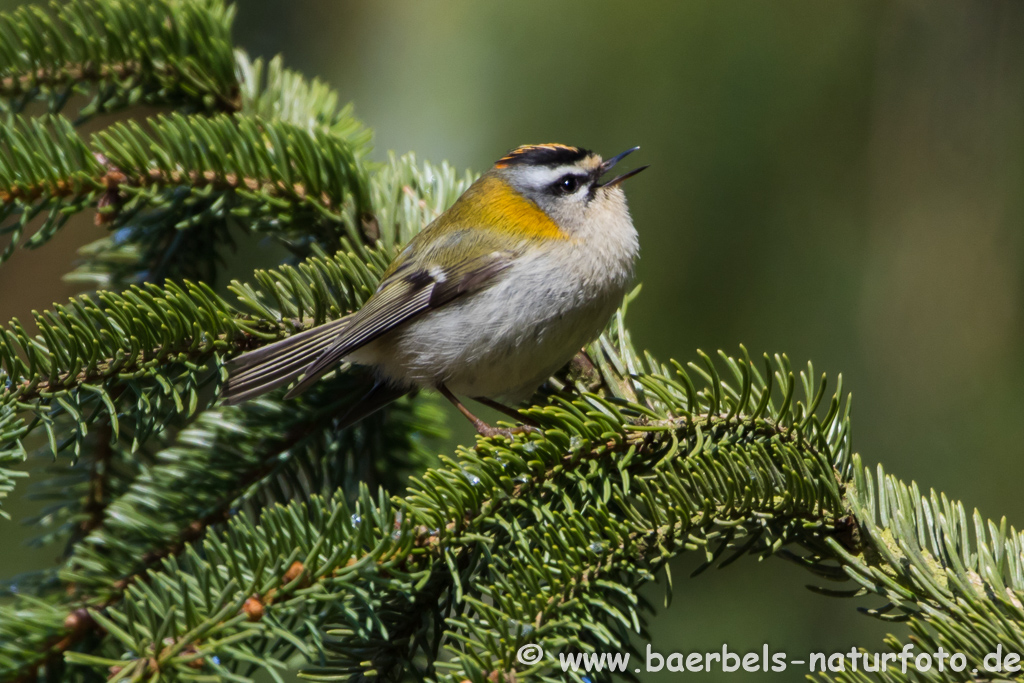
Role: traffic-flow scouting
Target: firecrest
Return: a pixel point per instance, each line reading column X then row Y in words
column 489, row 300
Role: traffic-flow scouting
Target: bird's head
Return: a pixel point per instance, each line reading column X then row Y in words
column 565, row 182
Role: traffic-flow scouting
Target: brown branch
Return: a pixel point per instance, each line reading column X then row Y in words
column 113, row 179
column 71, row 73
column 96, row 501
column 22, row 84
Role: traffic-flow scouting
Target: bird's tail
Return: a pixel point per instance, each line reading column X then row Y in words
column 255, row 373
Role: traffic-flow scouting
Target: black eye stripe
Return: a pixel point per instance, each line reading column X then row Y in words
column 568, row 184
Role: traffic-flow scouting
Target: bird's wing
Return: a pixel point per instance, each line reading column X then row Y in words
column 460, row 262
column 255, row 373
column 407, row 291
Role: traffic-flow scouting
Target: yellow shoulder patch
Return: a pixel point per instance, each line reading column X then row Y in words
column 492, row 204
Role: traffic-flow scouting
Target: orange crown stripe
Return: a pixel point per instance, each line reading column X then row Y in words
column 528, row 149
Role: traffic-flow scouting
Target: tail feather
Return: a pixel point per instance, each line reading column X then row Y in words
column 257, row 372
column 301, row 355
column 261, row 370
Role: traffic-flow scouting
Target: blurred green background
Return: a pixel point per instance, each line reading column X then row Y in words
column 843, row 182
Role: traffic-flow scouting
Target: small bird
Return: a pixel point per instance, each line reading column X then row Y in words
column 488, row 301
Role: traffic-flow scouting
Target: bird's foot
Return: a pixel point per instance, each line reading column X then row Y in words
column 482, row 428
column 488, row 431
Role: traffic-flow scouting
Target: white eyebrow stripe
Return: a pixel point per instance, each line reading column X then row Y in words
column 539, row 176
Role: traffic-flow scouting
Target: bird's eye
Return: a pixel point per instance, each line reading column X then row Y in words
column 567, row 184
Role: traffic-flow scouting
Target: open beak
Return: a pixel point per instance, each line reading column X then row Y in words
column 607, row 166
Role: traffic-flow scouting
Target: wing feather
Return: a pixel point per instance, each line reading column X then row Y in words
column 380, row 317
column 405, row 292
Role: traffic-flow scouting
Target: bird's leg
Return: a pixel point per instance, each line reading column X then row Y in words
column 502, row 408
column 482, row 427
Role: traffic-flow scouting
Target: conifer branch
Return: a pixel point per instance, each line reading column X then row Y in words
column 545, row 539
column 394, row 576
column 154, row 346
column 185, row 177
column 271, row 92
column 256, row 468
column 170, row 52
column 256, row 465
column 175, row 501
